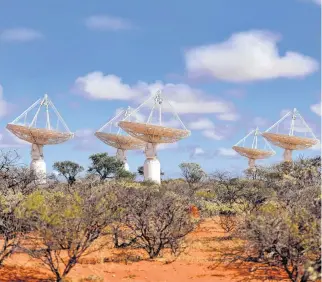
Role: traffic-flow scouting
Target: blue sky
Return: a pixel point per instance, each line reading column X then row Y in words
column 227, row 65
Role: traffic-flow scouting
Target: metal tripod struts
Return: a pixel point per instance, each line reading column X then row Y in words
column 288, row 141
column 253, row 152
column 27, row 127
column 119, row 139
column 154, row 133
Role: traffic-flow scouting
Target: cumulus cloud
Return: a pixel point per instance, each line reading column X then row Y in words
column 183, row 98
column 97, row 86
column 316, row 108
column 210, row 130
column 19, row 35
column 197, row 152
column 105, row 22
column 247, row 56
column 228, row 116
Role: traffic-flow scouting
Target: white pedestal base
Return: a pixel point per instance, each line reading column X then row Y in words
column 126, row 167
column 121, row 156
column 151, row 164
column 152, row 170
column 38, row 165
column 287, row 155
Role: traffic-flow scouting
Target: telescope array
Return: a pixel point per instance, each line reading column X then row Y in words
column 280, row 134
column 126, row 132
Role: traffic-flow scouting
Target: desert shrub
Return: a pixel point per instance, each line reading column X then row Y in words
column 16, row 182
column 65, row 225
column 286, row 238
column 284, row 230
column 156, row 220
column 122, row 174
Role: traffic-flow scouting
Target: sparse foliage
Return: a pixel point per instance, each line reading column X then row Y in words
column 155, row 219
column 192, row 173
column 104, row 165
column 16, row 182
column 66, row 225
column 69, row 170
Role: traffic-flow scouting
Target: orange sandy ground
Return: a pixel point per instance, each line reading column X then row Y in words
column 198, row 262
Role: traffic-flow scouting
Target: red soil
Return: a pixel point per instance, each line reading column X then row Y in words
column 198, row 262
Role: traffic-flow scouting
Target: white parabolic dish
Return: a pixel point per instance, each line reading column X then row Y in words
column 153, row 133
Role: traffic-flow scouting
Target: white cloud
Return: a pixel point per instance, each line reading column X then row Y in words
column 197, row 152
column 316, row 108
column 105, row 22
column 97, row 86
column 19, row 35
column 209, row 130
column 201, row 124
column 183, row 98
column 226, row 152
column 247, row 56
column 3, row 104
column 228, row 116
column 212, row 134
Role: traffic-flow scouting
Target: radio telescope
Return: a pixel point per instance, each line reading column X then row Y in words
column 37, row 135
column 253, row 153
column 122, row 142
column 289, row 142
column 154, row 134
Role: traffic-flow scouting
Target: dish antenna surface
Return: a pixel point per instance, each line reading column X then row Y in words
column 253, row 152
column 292, row 122
column 39, row 132
column 154, row 132
column 119, row 139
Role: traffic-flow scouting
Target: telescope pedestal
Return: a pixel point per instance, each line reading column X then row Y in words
column 251, row 163
column 287, row 155
column 121, row 156
column 38, row 165
column 151, row 164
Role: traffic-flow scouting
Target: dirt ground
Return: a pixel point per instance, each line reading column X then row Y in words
column 198, row 262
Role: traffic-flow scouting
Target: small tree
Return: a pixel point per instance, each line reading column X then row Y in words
column 192, row 173
column 66, row 226
column 104, row 165
column 156, row 220
column 12, row 229
column 69, row 170
column 15, row 183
